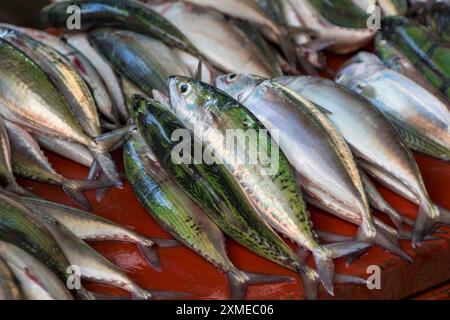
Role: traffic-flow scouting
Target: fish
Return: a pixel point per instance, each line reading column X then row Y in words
column 345, row 39
column 9, row 288
column 359, row 121
column 6, row 172
column 422, row 48
column 216, row 192
column 90, row 227
column 218, row 40
column 67, row 149
column 22, row 84
column 129, row 15
column 271, row 187
column 182, row 217
column 81, row 42
column 68, row 81
column 29, row 161
column 422, row 119
column 144, row 61
column 395, row 60
column 36, row 281
column 321, row 158
column 438, row 19
column 93, row 266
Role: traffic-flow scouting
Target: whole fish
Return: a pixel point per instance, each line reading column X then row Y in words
column 9, row 288
column 438, row 19
column 422, row 47
column 82, row 63
column 395, row 60
column 81, row 42
column 67, row 149
column 23, row 84
column 129, row 15
column 143, row 60
column 93, row 266
column 216, row 192
column 273, row 189
column 326, row 165
column 68, row 81
column 6, row 171
column 28, row 161
column 422, row 119
column 181, row 216
column 345, row 39
column 217, row 39
column 36, row 281
column 90, row 227
column 370, row 135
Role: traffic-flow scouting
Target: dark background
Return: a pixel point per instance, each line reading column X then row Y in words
column 21, row 12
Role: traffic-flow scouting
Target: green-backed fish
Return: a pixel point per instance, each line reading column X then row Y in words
column 181, row 216
column 36, row 281
column 129, row 15
column 145, row 61
column 22, row 84
column 268, row 183
column 322, row 158
column 422, row 47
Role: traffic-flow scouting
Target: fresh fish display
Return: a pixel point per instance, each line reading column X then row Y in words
column 327, row 164
column 28, row 161
column 9, row 288
column 181, row 216
column 129, row 15
column 68, row 81
column 275, row 195
column 360, row 122
column 23, row 83
column 231, row 51
column 36, row 281
column 422, row 47
column 81, row 42
column 143, row 60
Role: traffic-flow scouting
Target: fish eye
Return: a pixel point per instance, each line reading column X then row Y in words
column 184, row 88
column 231, row 77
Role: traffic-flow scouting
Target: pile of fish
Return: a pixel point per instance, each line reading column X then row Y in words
column 139, row 75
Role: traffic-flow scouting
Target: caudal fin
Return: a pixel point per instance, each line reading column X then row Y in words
column 142, row 294
column 239, row 281
column 332, row 237
column 427, row 217
column 149, row 250
column 444, row 215
column 75, row 189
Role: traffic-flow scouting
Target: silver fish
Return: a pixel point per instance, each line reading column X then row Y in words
column 36, row 281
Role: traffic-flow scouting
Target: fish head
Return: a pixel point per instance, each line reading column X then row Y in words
column 239, row 86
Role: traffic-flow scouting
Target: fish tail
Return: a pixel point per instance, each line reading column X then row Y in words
column 239, row 281
column 310, row 282
column 148, row 249
column 75, row 189
column 332, row 237
column 382, row 239
column 444, row 215
column 142, row 294
column 15, row 188
column 345, row 278
column 427, row 217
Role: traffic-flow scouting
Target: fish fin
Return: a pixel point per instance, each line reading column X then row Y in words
column 166, row 243
column 303, row 254
column 75, row 188
column 94, row 171
column 113, row 138
column 323, row 109
column 332, row 237
column 444, row 215
column 239, row 281
column 14, row 187
column 344, row 278
column 341, row 249
column 198, row 71
column 383, row 240
column 107, row 164
column 427, row 216
column 310, row 282
column 142, row 294
column 150, row 255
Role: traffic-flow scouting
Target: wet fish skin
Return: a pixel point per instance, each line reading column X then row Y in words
column 181, row 216
column 112, row 82
column 276, row 196
column 202, row 25
column 342, row 13
column 423, row 48
column 9, row 289
column 128, row 15
column 144, row 61
column 36, row 281
column 63, row 75
column 22, row 84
